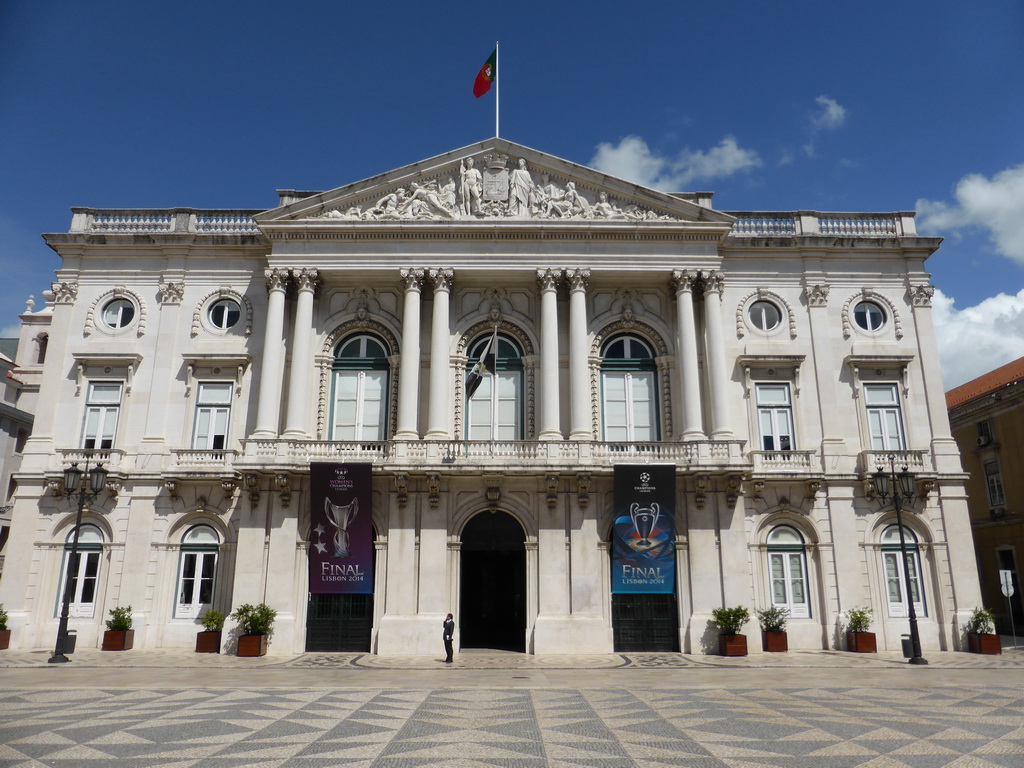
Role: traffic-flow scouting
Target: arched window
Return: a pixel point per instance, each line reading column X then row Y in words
column 42, row 341
column 494, row 410
column 359, row 408
column 84, row 570
column 787, row 570
column 197, row 571
column 896, row 571
column 628, row 390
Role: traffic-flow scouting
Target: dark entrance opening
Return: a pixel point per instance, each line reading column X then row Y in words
column 340, row 623
column 645, row 623
column 493, row 609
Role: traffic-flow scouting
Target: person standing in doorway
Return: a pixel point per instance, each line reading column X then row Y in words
column 449, row 633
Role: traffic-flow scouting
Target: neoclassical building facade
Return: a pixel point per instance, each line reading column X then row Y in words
column 210, row 358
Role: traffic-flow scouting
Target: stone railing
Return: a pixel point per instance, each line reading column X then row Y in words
column 795, row 223
column 112, row 458
column 165, row 221
column 190, row 459
column 802, row 462
column 914, row 461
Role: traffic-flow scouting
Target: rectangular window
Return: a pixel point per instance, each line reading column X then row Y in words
column 629, row 406
column 102, row 405
column 775, row 417
column 84, row 570
column 788, row 575
column 885, row 425
column 213, row 409
column 359, row 405
column 994, row 480
column 985, row 433
column 495, row 415
column 195, row 585
column 894, row 581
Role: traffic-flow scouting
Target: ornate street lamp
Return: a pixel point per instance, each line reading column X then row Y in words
column 900, row 488
column 72, row 478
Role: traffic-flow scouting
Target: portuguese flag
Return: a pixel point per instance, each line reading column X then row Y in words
column 486, row 76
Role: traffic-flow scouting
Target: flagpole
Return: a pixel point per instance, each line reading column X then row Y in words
column 497, row 88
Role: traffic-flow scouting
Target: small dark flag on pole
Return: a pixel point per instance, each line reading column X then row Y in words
column 486, row 76
column 486, row 364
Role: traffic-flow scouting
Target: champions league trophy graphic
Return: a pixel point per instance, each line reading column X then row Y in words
column 340, row 515
column 644, row 520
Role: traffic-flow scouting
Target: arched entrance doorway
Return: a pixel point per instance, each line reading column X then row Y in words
column 492, row 613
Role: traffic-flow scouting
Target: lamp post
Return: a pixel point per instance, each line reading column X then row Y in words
column 900, row 488
column 97, row 479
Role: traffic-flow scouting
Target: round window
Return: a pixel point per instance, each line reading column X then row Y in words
column 764, row 315
column 118, row 313
column 224, row 313
column 869, row 316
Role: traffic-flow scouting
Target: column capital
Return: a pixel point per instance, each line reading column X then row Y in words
column 817, row 295
column 442, row 279
column 921, row 295
column 684, row 280
column 714, row 282
column 548, row 278
column 577, row 278
column 306, row 279
column 277, row 279
column 412, row 279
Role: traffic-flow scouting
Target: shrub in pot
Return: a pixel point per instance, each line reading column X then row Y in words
column 208, row 641
column 119, row 635
column 256, row 624
column 858, row 639
column 729, row 622
column 981, row 633
column 773, row 629
column 5, row 633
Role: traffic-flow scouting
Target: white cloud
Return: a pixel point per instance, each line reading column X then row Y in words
column 632, row 159
column 978, row 339
column 995, row 204
column 831, row 114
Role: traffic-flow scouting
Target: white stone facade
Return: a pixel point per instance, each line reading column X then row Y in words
column 782, row 354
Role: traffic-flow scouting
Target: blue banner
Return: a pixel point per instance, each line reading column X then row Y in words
column 644, row 533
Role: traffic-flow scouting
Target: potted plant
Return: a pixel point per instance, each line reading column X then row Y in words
column 5, row 633
column 208, row 641
column 256, row 624
column 773, row 628
column 729, row 622
column 981, row 633
column 858, row 639
column 119, row 635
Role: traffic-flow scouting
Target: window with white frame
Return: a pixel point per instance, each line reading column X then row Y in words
column 83, row 570
column 629, row 391
column 869, row 316
column 197, row 571
column 118, row 313
column 885, row 423
column 994, row 482
column 359, row 407
column 774, row 416
column 896, row 570
column 102, row 406
column 787, row 570
column 213, row 415
column 764, row 315
column 495, row 409
column 224, row 314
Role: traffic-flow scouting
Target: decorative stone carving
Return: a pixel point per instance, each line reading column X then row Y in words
column 493, row 497
column 548, row 278
column 402, row 487
column 702, row 483
column 684, row 280
column 869, row 295
column 714, row 282
column 277, row 279
column 229, row 486
column 493, row 192
column 252, row 485
column 64, row 293
column 434, row 490
column 56, row 487
column 764, row 294
column 172, row 489
column 171, row 293
column 583, row 489
column 732, row 489
column 551, row 483
column 224, row 292
column 921, row 295
column 577, row 279
column 817, row 295
column 412, row 279
column 442, row 279
column 305, row 279
column 283, row 483
column 118, row 292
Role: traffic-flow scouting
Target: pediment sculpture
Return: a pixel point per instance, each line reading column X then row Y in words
column 494, row 192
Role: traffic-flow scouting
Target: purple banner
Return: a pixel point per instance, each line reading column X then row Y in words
column 341, row 529
column 644, row 534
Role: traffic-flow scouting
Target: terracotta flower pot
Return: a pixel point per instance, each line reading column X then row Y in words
column 5, row 639
column 861, row 642
column 989, row 644
column 732, row 645
column 775, row 642
column 208, row 642
column 252, row 645
column 118, row 640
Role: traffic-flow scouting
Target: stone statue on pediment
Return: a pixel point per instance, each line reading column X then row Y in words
column 520, row 188
column 425, row 202
column 471, row 187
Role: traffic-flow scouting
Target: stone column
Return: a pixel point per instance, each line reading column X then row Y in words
column 579, row 367
column 296, row 426
column 439, row 408
column 686, row 359
column 713, row 284
column 268, row 409
column 409, row 369
column 549, row 412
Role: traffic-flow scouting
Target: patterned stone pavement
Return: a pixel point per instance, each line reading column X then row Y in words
column 493, row 710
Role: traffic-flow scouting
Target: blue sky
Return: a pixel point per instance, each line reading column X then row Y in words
column 869, row 106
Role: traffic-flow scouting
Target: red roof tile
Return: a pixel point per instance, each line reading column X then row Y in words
column 986, row 384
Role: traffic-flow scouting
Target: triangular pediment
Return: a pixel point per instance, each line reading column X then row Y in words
column 492, row 181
